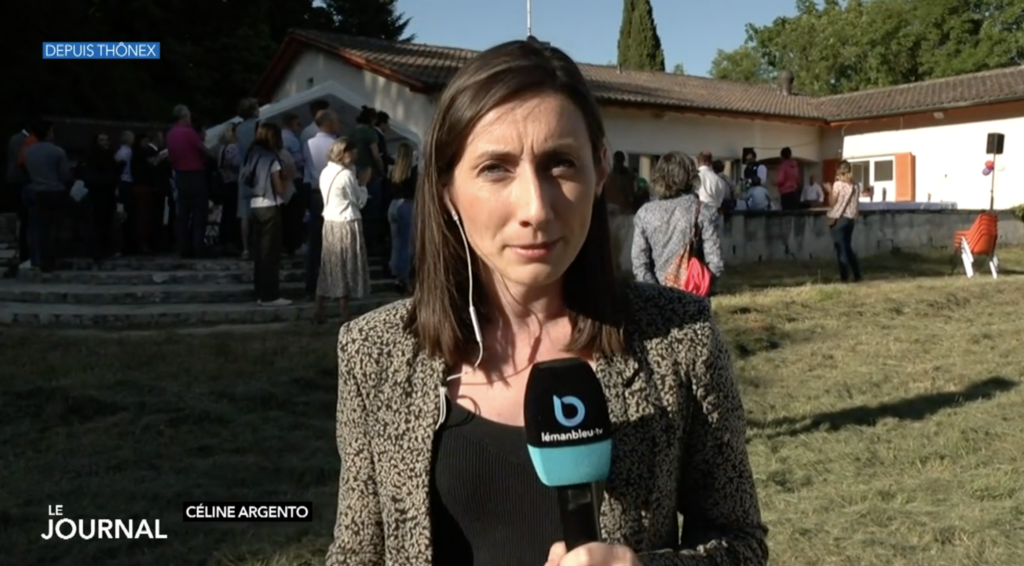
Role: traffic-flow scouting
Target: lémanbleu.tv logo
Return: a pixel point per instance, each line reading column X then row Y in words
column 101, row 50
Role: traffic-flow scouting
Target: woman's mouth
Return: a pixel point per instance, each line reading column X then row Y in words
column 535, row 251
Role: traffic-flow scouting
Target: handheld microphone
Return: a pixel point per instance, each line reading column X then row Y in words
column 568, row 436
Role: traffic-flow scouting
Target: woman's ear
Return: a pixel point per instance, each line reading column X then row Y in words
column 602, row 169
column 448, row 204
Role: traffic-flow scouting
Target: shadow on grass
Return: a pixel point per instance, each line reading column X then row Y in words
column 132, row 427
column 914, row 408
column 883, row 267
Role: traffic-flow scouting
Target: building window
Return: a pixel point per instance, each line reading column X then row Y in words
column 874, row 171
column 883, row 171
column 861, row 172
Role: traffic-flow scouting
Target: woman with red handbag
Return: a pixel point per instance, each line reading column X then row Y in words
column 675, row 238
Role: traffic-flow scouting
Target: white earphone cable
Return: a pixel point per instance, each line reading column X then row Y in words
column 443, row 390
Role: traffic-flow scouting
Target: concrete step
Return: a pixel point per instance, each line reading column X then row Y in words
column 77, row 294
column 182, row 277
column 169, row 315
column 168, row 263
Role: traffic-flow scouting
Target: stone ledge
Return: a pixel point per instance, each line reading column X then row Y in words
column 56, row 293
column 140, row 277
column 132, row 316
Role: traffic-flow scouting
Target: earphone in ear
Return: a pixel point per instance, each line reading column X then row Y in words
column 455, row 215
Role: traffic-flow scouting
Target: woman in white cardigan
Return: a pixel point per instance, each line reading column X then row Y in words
column 344, row 269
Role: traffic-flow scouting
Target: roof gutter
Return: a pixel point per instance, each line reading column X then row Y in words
column 712, row 112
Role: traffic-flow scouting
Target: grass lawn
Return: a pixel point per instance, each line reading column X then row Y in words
column 886, row 425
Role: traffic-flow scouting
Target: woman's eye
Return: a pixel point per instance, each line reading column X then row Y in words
column 492, row 169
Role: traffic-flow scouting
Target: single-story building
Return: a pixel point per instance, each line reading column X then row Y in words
column 922, row 142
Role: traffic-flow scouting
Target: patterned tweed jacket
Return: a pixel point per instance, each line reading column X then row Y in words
column 678, row 437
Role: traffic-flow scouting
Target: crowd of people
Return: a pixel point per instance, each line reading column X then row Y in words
column 689, row 196
column 266, row 189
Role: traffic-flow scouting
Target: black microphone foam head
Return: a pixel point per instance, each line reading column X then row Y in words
column 568, row 430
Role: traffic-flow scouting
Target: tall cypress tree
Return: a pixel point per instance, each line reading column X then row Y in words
column 645, row 51
column 625, row 30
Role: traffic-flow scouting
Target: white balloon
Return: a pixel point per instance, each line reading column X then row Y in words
column 1001, row 168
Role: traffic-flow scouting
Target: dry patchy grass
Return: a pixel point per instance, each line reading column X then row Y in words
column 885, row 426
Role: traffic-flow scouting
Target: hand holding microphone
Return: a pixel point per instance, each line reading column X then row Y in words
column 568, row 436
column 593, row 554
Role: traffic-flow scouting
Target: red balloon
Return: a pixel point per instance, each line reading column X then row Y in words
column 990, row 164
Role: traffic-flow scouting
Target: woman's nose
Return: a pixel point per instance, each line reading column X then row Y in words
column 533, row 194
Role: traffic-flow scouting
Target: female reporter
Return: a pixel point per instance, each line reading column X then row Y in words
column 434, row 463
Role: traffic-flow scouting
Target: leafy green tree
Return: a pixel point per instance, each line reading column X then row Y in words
column 840, row 47
column 742, row 64
column 678, row 69
column 377, row 18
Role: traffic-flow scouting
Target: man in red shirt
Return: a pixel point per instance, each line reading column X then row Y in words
column 188, row 157
column 787, row 179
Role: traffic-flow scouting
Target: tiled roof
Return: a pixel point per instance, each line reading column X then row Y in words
column 428, row 68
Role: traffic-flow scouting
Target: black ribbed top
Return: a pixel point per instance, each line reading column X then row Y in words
column 487, row 506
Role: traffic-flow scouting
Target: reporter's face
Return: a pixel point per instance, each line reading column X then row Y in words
column 525, row 189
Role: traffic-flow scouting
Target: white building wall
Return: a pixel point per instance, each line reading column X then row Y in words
column 634, row 132
column 949, row 160
column 314, row 67
column 638, row 132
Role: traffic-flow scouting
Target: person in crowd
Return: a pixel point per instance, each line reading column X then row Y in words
column 50, row 176
column 189, row 157
column 315, row 108
column 344, row 269
column 229, row 163
column 812, row 196
column 366, row 137
column 147, row 171
column 620, row 188
column 315, row 157
column 402, row 179
column 713, row 189
column 753, row 168
column 164, row 209
column 844, row 208
column 382, row 123
column 787, row 179
column 263, row 184
column 620, row 195
column 287, row 206
column 430, row 417
column 101, row 174
column 297, row 202
column 664, row 227
column 757, row 195
column 718, row 166
column 135, row 200
column 17, row 183
column 245, row 135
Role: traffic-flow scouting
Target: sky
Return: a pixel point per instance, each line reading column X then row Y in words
column 588, row 30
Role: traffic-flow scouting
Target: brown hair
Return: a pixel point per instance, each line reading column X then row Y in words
column 674, row 175
column 248, row 108
column 339, row 149
column 439, row 318
column 268, row 136
column 844, row 172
